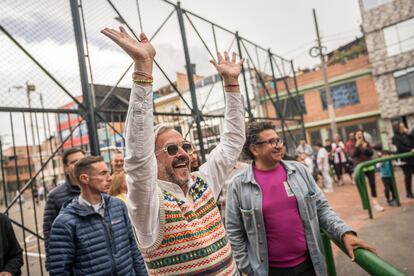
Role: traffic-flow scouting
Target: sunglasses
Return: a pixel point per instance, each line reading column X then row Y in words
column 172, row 149
column 272, row 142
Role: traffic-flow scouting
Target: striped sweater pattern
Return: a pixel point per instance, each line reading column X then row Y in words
column 192, row 239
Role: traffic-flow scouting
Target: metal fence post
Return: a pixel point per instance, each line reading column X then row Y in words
column 277, row 104
column 329, row 258
column 301, row 111
column 86, row 89
column 249, row 108
column 394, row 186
column 195, row 110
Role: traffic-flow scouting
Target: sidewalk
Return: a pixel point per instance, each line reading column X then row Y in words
column 389, row 231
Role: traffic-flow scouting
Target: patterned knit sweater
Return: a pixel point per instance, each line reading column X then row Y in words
column 192, row 239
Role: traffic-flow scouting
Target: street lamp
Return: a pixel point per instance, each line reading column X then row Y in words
column 30, row 88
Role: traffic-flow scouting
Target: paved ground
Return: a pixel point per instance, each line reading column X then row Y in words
column 389, row 231
column 393, row 238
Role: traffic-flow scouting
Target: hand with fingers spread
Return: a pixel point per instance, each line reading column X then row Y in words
column 142, row 52
column 229, row 69
column 352, row 242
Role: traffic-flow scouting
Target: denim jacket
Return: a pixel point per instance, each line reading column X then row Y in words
column 245, row 223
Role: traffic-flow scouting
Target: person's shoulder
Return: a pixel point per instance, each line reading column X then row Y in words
column 115, row 204
column 294, row 165
column 242, row 176
column 58, row 190
column 114, row 201
column 4, row 219
column 65, row 219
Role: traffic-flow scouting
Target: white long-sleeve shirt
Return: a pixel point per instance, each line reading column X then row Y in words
column 144, row 189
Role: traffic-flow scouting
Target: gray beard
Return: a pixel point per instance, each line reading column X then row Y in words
column 169, row 174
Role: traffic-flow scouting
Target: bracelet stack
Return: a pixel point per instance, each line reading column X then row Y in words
column 140, row 77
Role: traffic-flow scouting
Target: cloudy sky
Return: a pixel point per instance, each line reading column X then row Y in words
column 44, row 29
column 285, row 26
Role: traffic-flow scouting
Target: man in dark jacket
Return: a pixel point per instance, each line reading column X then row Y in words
column 404, row 141
column 92, row 234
column 11, row 257
column 63, row 192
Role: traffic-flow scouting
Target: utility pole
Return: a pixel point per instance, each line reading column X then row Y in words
column 317, row 51
column 28, row 88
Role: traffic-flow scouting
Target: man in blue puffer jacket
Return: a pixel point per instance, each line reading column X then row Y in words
column 92, row 234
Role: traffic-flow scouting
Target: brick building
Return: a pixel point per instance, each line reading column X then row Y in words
column 388, row 26
column 353, row 92
column 17, row 168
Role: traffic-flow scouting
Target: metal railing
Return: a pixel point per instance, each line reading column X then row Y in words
column 371, row 263
column 360, row 181
column 53, row 106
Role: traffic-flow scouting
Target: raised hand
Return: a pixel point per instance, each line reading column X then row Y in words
column 228, row 68
column 138, row 51
column 142, row 52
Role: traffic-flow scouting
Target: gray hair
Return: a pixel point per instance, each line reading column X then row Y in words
column 161, row 128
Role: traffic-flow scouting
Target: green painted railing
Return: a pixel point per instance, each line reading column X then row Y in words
column 371, row 263
column 360, row 181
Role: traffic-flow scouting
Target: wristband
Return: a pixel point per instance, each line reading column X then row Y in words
column 231, row 85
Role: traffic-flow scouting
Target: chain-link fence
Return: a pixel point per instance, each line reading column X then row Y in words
column 64, row 84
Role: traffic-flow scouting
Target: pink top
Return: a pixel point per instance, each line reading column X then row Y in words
column 286, row 243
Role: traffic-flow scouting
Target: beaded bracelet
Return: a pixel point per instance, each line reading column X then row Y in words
column 148, row 81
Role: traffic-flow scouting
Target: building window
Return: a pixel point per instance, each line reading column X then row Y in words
column 370, row 4
column 399, row 38
column 315, row 136
column 342, row 95
column 289, row 108
column 404, row 81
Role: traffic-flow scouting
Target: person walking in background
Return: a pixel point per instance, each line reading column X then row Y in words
column 304, row 153
column 119, row 187
column 340, row 159
column 117, row 162
column 349, row 144
column 174, row 212
column 61, row 193
column 306, row 161
column 363, row 152
column 303, row 147
column 41, row 192
column 386, row 177
column 322, row 160
column 404, row 142
column 93, row 234
column 275, row 211
column 328, row 145
column 11, row 254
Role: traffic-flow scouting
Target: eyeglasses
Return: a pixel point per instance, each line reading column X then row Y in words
column 172, row 149
column 272, row 142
